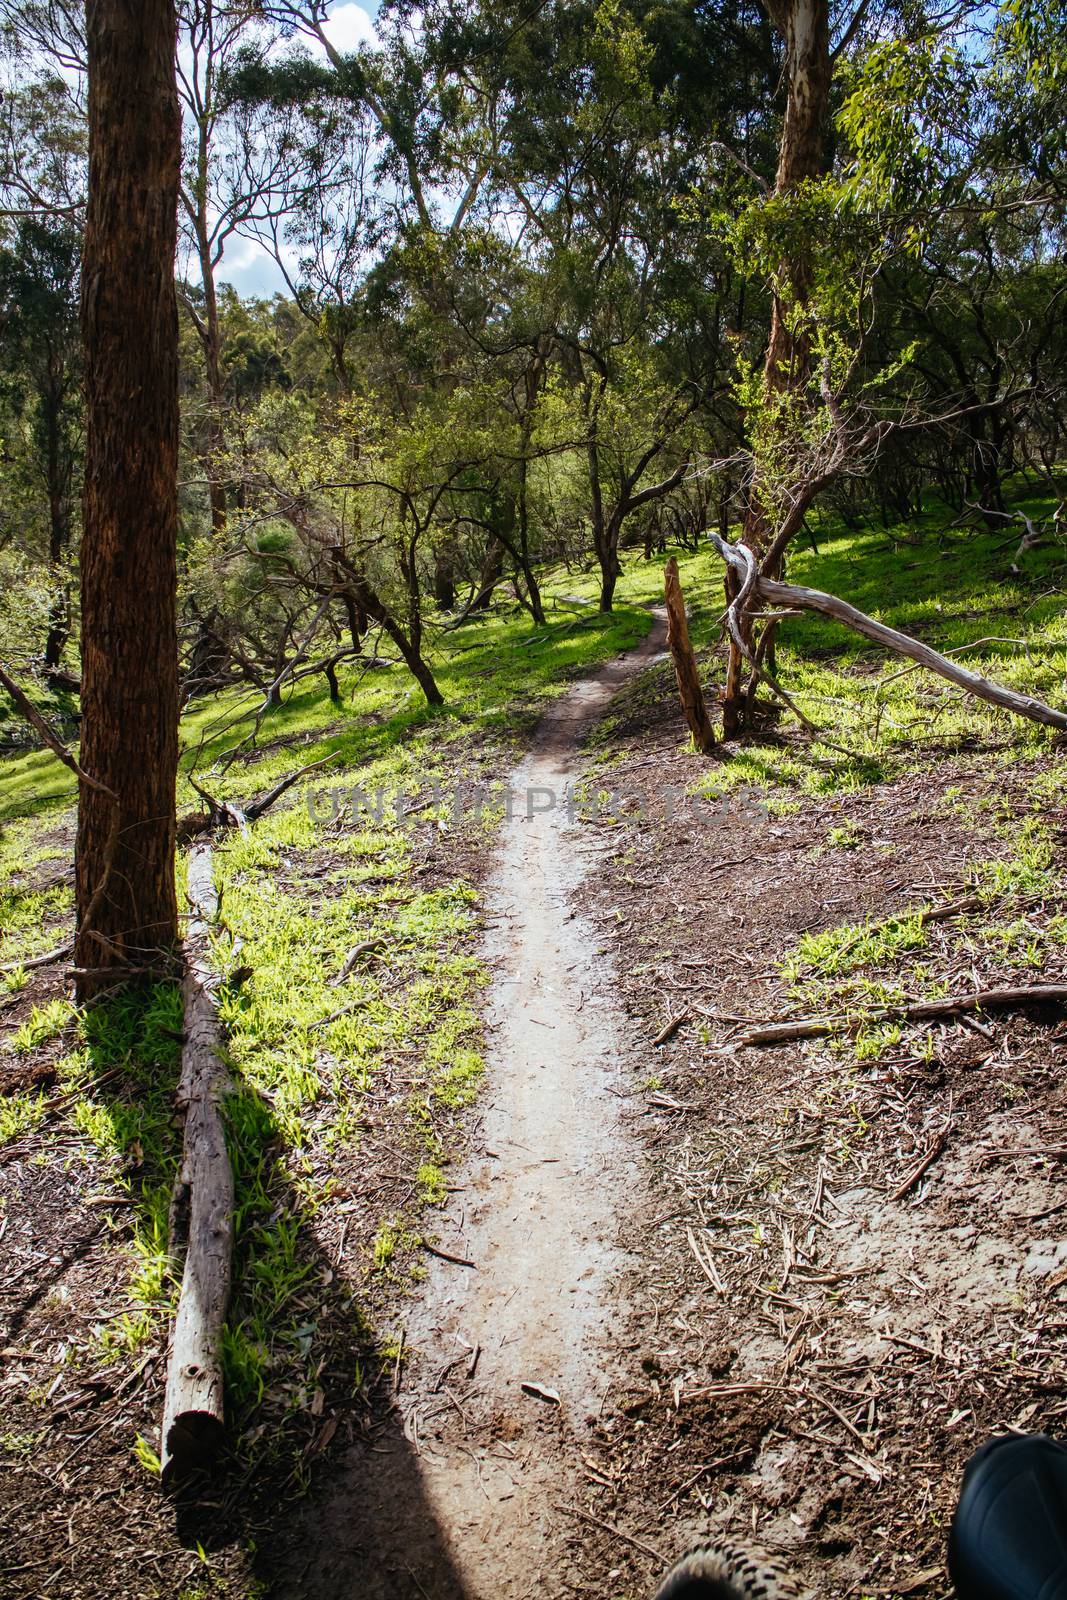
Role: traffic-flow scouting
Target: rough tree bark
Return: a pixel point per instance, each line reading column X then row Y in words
column 685, row 665
column 58, row 475
column 128, row 560
column 802, row 154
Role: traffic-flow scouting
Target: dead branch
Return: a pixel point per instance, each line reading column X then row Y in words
column 685, row 663
column 366, row 947
column 1031, row 994
column 258, row 808
column 937, row 1144
column 792, row 594
column 193, row 1412
column 34, row 962
column 670, row 1027
column 231, row 814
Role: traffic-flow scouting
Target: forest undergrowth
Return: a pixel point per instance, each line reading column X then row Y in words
column 350, row 979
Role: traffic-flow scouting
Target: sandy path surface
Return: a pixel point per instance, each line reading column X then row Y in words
column 466, row 1499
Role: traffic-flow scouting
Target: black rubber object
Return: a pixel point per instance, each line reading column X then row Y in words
column 1009, row 1534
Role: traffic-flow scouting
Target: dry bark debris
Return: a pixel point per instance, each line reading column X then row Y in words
column 856, row 1270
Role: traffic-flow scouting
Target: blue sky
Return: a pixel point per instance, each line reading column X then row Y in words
column 247, row 265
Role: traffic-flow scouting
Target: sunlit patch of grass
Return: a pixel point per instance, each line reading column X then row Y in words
column 872, row 1042
column 844, row 837
column 19, row 1113
column 847, row 948
column 1030, row 869
column 857, row 971
column 43, row 1024
column 28, row 918
column 431, row 1181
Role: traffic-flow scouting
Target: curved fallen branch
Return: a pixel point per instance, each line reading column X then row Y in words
column 33, row 962
column 1031, row 994
column 202, row 1206
column 792, row 594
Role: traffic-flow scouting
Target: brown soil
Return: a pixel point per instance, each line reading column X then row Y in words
column 819, row 1356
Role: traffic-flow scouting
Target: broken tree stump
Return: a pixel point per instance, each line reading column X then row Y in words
column 685, row 662
column 202, row 1208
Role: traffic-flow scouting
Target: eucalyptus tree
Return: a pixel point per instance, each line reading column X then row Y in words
column 124, row 858
column 896, row 183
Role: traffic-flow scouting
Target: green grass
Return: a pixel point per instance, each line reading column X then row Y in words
column 1016, row 929
column 492, row 677
column 871, row 945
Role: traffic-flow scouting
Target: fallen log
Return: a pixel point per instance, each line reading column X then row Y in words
column 202, row 1206
column 685, row 662
column 742, row 560
column 1031, row 994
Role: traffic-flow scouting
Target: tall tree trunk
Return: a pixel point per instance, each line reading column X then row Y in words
column 128, row 562
column 531, row 384
column 802, row 154
column 603, row 543
column 444, row 578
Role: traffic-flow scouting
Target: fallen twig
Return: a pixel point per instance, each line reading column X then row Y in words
column 705, row 1262
column 365, row 948
column 937, row 1144
column 670, row 1027
column 1032, row 994
column 616, row 1533
column 444, row 1255
column 34, row 962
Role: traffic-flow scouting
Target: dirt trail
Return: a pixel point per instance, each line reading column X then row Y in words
column 467, row 1502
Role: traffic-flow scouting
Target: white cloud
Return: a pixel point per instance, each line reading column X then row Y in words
column 252, row 271
column 349, row 26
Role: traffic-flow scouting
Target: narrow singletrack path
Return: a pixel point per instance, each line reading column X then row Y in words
column 467, row 1502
